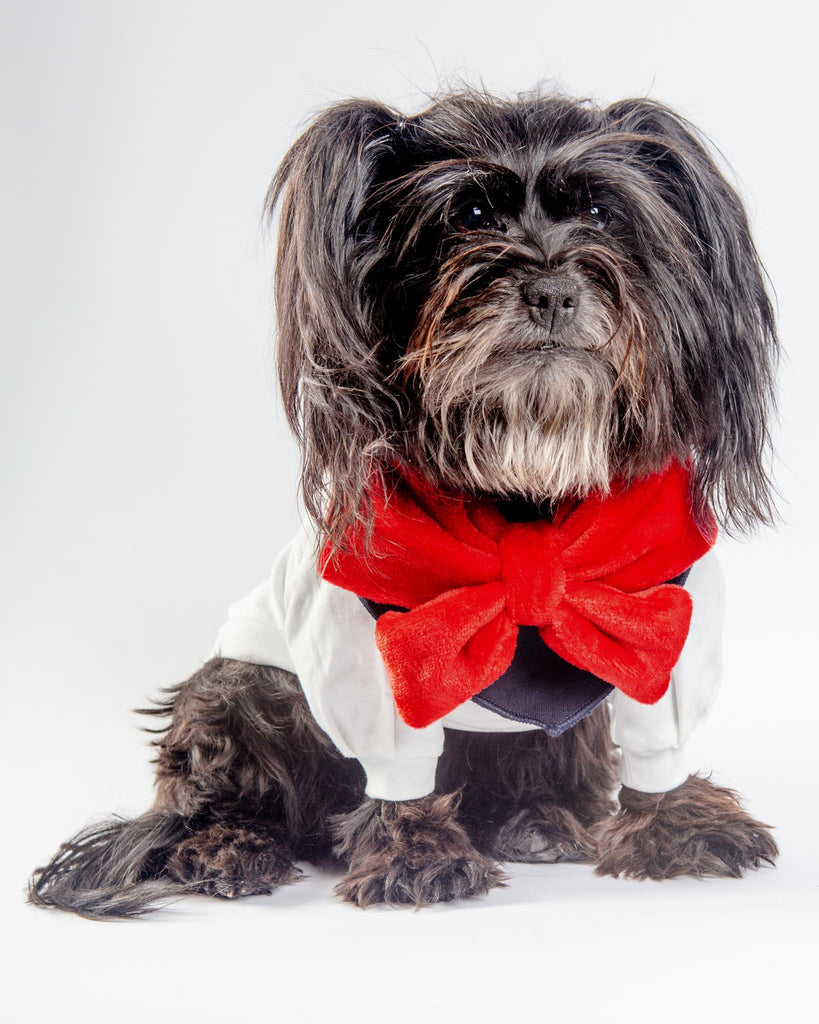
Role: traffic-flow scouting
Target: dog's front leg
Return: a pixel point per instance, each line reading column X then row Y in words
column 696, row 829
column 410, row 853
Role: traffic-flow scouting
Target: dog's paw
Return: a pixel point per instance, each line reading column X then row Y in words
column 410, row 854
column 544, row 833
column 230, row 862
column 696, row 829
column 399, row 883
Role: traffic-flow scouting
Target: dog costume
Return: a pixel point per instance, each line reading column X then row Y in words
column 457, row 616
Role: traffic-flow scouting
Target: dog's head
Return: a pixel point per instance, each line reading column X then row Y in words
column 521, row 298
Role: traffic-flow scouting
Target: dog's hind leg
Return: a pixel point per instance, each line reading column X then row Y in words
column 531, row 797
column 245, row 784
column 244, row 762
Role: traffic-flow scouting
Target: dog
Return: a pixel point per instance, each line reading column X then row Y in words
column 515, row 337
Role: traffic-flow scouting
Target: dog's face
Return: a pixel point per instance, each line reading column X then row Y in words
column 522, row 298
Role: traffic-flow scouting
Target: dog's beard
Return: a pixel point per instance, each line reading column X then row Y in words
column 506, row 407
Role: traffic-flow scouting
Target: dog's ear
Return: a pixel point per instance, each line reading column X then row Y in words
column 728, row 338
column 328, row 245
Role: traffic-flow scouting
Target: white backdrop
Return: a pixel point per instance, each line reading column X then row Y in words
column 148, row 480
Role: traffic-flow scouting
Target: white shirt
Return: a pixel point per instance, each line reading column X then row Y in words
column 299, row 622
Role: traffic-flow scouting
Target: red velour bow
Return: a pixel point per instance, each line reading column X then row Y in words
column 592, row 581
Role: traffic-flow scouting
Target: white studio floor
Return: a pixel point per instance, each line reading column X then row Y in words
column 556, row 940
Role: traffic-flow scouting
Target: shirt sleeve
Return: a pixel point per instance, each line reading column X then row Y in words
column 653, row 736
column 324, row 634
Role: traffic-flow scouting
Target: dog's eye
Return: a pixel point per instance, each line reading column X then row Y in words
column 474, row 217
column 596, row 215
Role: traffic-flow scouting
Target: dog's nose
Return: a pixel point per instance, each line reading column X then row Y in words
column 553, row 299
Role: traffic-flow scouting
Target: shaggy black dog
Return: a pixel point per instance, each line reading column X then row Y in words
column 522, row 299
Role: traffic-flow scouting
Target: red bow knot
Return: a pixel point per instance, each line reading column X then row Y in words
column 532, row 571
column 593, row 581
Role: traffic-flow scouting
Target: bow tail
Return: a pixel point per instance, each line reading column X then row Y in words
column 632, row 641
column 443, row 652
